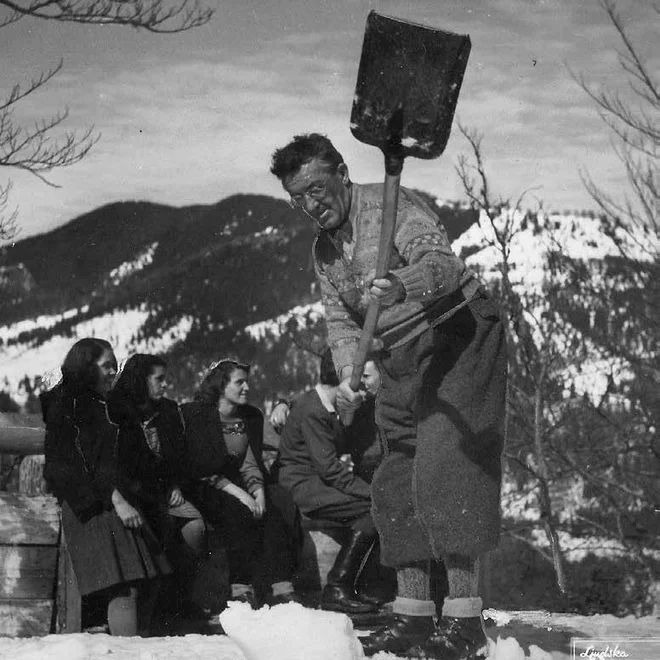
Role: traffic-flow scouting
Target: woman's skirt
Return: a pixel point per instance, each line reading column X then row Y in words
column 104, row 553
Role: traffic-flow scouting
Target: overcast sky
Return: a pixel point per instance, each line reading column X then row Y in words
column 194, row 117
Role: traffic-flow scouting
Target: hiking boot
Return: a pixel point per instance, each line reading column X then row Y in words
column 370, row 599
column 339, row 593
column 402, row 633
column 247, row 597
column 454, row 639
column 283, row 599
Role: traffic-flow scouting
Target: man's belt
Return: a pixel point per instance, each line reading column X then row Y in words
column 433, row 315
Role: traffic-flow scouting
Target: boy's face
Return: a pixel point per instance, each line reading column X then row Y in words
column 371, row 378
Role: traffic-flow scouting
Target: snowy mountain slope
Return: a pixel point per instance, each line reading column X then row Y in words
column 193, row 283
column 227, row 276
column 561, row 256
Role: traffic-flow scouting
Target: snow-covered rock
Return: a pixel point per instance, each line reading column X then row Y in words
column 291, row 631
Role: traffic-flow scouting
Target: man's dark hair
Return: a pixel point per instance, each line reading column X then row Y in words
column 132, row 382
column 328, row 374
column 301, row 150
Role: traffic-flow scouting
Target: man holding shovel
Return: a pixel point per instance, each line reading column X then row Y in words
column 440, row 408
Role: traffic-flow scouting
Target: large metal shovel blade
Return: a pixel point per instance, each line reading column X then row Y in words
column 408, row 83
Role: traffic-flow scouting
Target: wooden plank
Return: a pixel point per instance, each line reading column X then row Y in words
column 21, row 419
column 27, row 572
column 36, row 557
column 27, row 618
column 31, row 475
column 21, row 434
column 28, row 587
column 21, row 440
column 26, row 520
column 68, row 603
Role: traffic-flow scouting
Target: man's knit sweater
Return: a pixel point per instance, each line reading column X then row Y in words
column 435, row 280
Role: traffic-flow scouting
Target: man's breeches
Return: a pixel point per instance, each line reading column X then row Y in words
column 440, row 411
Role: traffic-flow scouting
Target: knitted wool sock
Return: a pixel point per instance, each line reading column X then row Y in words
column 414, row 590
column 239, row 589
column 463, row 577
column 282, row 588
column 122, row 613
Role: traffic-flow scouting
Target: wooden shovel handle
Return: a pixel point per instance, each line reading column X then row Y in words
column 387, row 232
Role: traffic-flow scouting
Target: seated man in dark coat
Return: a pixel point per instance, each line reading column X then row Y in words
column 365, row 447
column 325, row 487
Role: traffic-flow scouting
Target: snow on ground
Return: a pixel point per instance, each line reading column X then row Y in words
column 514, row 636
column 97, row 647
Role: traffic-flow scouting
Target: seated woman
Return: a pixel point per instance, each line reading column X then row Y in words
column 324, row 486
column 228, row 484
column 113, row 550
column 151, row 453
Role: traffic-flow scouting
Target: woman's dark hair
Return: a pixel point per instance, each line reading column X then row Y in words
column 302, row 149
column 328, row 373
column 132, row 381
column 216, row 379
column 79, row 370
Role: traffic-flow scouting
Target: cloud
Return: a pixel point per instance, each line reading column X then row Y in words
column 194, row 126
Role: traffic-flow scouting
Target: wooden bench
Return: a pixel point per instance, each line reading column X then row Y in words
column 38, row 590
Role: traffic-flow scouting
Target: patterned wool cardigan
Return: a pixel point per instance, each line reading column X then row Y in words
column 436, row 282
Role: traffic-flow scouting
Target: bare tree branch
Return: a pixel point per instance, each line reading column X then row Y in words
column 46, row 146
column 634, row 121
column 8, row 224
column 152, row 15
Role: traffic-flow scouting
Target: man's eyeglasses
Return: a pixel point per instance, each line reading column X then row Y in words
column 317, row 192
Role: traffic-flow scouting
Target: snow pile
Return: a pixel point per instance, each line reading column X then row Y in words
column 291, row 631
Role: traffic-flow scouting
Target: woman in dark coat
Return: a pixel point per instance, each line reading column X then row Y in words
column 113, row 550
column 229, row 485
column 151, row 453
